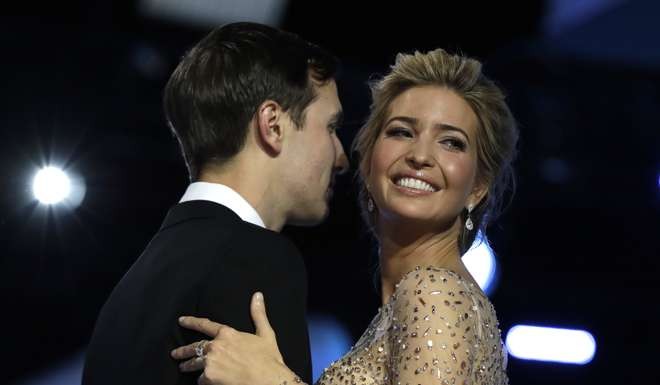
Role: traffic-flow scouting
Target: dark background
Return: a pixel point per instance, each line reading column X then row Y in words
column 578, row 247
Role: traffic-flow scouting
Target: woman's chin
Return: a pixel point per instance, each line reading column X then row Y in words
column 418, row 217
column 411, row 217
column 410, row 212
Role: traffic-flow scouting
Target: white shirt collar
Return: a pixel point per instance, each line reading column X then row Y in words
column 225, row 196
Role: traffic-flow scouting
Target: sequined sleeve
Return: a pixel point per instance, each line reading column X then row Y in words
column 434, row 330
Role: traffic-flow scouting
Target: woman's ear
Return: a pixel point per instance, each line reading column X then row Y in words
column 269, row 119
column 478, row 193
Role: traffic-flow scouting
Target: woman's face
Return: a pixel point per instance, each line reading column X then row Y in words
column 424, row 162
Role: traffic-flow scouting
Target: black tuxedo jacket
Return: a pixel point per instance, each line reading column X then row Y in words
column 204, row 261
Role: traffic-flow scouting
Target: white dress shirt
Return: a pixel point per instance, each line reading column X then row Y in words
column 225, row 196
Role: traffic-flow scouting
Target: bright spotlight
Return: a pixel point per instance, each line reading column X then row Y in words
column 51, row 185
column 566, row 346
column 480, row 262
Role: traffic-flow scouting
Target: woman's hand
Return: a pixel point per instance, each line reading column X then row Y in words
column 233, row 357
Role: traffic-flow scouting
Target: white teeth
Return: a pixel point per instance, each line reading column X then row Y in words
column 415, row 184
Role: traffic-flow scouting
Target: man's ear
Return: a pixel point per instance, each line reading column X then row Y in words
column 269, row 130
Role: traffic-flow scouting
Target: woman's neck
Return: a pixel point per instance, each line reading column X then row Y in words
column 403, row 247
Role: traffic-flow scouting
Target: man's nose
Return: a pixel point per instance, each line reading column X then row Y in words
column 341, row 161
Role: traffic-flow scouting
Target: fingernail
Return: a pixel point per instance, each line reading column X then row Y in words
column 182, row 319
column 259, row 297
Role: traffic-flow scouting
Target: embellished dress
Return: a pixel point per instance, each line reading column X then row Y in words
column 437, row 328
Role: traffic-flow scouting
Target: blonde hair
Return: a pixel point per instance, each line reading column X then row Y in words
column 497, row 133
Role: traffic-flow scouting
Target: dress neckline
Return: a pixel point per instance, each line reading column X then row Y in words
column 418, row 268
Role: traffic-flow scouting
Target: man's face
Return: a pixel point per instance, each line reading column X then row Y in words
column 315, row 156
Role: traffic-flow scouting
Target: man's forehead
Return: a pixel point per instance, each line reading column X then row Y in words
column 328, row 92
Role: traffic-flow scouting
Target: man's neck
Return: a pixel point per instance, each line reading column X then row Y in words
column 255, row 184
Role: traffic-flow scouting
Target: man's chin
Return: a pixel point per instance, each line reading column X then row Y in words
column 311, row 219
column 329, row 193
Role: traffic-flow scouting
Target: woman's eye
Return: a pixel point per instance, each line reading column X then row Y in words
column 398, row 131
column 454, row 144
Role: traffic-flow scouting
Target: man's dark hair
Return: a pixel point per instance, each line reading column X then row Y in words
column 217, row 87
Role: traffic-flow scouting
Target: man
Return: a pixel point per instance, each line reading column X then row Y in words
column 255, row 111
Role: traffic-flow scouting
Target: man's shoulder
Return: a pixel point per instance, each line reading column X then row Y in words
column 251, row 238
column 235, row 237
column 206, row 220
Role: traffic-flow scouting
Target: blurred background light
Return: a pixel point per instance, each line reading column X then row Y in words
column 328, row 339
column 67, row 371
column 551, row 344
column 480, row 262
column 212, row 13
column 555, row 170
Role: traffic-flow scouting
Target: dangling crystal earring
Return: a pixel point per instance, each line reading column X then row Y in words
column 370, row 205
column 468, row 222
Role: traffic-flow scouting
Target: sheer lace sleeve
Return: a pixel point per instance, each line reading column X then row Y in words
column 435, row 329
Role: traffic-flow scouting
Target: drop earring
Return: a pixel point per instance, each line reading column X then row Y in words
column 469, row 225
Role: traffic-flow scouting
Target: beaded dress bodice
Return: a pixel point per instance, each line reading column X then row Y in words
column 435, row 329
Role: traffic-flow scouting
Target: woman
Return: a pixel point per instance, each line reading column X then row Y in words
column 435, row 159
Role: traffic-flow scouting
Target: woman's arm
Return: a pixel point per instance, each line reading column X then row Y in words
column 233, row 357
